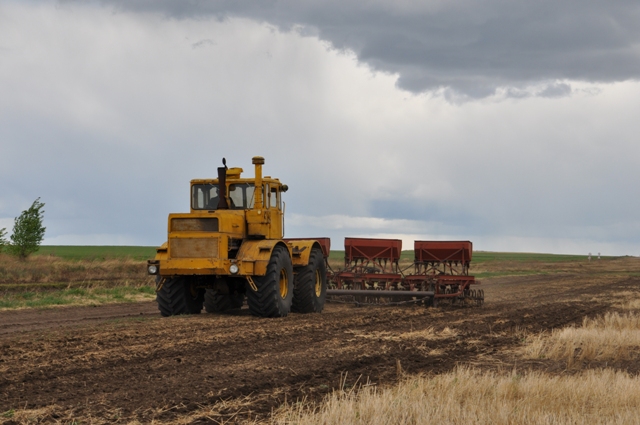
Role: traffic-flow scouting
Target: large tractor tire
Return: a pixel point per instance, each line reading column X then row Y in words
column 310, row 289
column 275, row 289
column 214, row 302
column 179, row 295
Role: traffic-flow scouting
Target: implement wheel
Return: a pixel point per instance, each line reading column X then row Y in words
column 215, row 302
column 275, row 289
column 179, row 295
column 310, row 288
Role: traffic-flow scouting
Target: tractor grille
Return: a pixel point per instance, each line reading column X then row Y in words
column 194, row 224
column 193, row 248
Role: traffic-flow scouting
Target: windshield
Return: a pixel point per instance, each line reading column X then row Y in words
column 205, row 196
column 241, row 196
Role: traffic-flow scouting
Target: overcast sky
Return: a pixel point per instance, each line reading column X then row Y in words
column 513, row 124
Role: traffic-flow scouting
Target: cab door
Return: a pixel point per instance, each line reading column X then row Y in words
column 273, row 203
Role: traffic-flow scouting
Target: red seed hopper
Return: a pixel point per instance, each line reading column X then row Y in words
column 439, row 272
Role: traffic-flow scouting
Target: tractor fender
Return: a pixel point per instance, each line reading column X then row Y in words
column 162, row 252
column 258, row 254
column 301, row 250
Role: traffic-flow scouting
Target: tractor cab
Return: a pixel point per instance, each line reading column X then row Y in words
column 260, row 198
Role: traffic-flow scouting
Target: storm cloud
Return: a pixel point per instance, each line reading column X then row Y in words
column 512, row 125
column 469, row 47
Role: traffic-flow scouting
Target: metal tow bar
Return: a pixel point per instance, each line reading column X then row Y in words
column 160, row 284
column 252, row 284
column 380, row 293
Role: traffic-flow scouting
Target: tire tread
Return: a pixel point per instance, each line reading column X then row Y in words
column 173, row 298
column 266, row 301
column 304, row 295
column 220, row 303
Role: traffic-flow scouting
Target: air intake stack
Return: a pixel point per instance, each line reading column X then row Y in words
column 258, row 161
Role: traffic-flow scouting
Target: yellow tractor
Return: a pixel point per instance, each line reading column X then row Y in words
column 230, row 245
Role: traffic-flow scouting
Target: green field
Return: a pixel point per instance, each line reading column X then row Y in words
column 75, row 296
column 72, row 252
column 147, row 252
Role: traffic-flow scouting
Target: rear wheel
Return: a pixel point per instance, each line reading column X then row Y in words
column 275, row 289
column 310, row 288
column 179, row 295
column 214, row 302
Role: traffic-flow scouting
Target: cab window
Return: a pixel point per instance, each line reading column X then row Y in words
column 241, row 196
column 204, row 197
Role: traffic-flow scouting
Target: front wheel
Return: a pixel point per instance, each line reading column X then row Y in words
column 179, row 295
column 310, row 290
column 275, row 289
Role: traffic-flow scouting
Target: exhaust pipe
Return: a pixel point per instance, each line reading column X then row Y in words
column 222, row 188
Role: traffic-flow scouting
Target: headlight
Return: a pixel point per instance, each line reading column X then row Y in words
column 234, row 268
column 152, row 269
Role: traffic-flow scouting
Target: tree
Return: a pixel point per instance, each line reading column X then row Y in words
column 28, row 231
column 3, row 235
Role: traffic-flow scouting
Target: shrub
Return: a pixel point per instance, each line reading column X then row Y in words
column 28, row 231
column 3, row 241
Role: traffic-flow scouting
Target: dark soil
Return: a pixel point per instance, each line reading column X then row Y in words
column 120, row 363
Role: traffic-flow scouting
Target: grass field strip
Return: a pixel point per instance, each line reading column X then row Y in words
column 48, row 269
column 75, row 296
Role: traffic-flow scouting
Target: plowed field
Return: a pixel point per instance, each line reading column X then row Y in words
column 123, row 363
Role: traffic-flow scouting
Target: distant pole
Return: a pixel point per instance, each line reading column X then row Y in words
column 589, row 257
column 598, row 256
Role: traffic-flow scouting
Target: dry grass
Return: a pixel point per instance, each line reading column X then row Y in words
column 26, row 416
column 46, row 281
column 468, row 396
column 423, row 334
column 464, row 396
column 471, row 396
column 13, row 300
column 47, row 269
column 611, row 337
column 631, row 305
column 615, row 267
column 629, row 300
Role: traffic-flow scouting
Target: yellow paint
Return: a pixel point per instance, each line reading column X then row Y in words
column 258, row 252
column 284, row 283
column 318, row 285
column 161, row 252
column 257, row 230
column 301, row 250
column 234, row 173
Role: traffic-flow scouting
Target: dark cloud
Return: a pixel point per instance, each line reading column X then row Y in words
column 203, row 43
column 471, row 47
